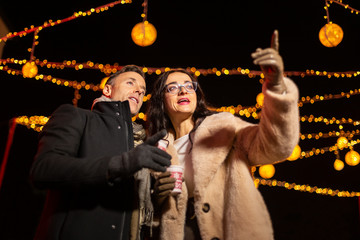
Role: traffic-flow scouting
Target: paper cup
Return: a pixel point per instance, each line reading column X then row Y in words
column 162, row 144
column 177, row 172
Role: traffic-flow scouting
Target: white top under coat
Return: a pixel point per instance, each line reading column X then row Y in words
column 182, row 146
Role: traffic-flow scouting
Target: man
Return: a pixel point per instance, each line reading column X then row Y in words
column 87, row 162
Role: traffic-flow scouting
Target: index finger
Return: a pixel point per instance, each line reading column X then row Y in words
column 275, row 40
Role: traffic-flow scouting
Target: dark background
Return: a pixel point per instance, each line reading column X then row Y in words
column 201, row 34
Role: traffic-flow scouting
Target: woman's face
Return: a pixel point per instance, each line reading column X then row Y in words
column 182, row 103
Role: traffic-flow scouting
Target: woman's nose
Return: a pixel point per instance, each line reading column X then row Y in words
column 182, row 90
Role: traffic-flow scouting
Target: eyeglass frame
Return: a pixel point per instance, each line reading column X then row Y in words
column 195, row 85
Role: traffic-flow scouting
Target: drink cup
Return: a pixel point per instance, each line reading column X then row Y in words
column 162, row 144
column 177, row 172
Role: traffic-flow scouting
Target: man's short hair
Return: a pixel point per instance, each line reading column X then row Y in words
column 127, row 68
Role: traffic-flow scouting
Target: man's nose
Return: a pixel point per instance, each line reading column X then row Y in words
column 139, row 90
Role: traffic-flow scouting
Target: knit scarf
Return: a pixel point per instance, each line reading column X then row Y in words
column 143, row 214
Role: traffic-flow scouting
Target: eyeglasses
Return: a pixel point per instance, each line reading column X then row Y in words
column 174, row 88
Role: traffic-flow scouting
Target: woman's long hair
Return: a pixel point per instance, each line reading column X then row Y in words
column 157, row 119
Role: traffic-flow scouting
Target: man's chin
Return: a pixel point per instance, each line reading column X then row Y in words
column 134, row 112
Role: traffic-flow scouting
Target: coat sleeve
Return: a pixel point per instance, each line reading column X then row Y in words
column 56, row 163
column 275, row 137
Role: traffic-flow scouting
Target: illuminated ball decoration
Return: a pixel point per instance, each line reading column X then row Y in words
column 338, row 165
column 267, row 171
column 103, row 82
column 29, row 70
column 260, row 99
column 331, row 35
column 295, row 154
column 342, row 142
column 144, row 34
column 352, row 158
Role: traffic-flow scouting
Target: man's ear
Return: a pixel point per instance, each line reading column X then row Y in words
column 107, row 90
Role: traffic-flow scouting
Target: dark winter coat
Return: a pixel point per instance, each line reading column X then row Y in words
column 75, row 148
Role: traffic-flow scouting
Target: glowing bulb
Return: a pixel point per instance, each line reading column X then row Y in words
column 267, row 171
column 260, row 99
column 352, row 158
column 103, row 82
column 29, row 70
column 331, row 35
column 342, row 142
column 144, row 34
column 338, row 165
column 295, row 154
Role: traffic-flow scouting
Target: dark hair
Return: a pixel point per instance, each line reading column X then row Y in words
column 127, row 68
column 157, row 119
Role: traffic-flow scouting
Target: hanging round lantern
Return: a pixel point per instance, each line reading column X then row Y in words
column 29, row 70
column 267, row 171
column 144, row 34
column 295, row 154
column 342, row 142
column 352, row 158
column 331, row 35
column 260, row 99
column 338, row 165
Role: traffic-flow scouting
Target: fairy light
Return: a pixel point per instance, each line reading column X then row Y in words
column 108, row 69
column 37, row 122
column 51, row 23
column 320, row 151
column 305, row 188
column 34, row 122
column 346, row 6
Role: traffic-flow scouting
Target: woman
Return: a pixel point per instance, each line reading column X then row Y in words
column 219, row 199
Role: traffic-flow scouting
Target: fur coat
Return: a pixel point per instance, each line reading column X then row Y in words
column 227, row 203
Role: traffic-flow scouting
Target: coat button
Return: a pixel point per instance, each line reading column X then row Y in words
column 206, row 207
column 113, row 226
column 119, row 127
column 117, row 113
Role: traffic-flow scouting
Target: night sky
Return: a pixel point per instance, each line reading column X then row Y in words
column 204, row 35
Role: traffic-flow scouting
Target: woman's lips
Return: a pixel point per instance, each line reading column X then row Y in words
column 183, row 101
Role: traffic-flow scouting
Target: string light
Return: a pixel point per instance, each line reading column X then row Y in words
column 37, row 122
column 108, row 69
column 34, row 122
column 346, row 6
column 305, row 188
column 239, row 110
column 51, row 23
column 318, row 151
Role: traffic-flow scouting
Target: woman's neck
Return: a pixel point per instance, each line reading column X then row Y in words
column 182, row 127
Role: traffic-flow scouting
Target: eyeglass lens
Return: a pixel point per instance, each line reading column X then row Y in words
column 174, row 88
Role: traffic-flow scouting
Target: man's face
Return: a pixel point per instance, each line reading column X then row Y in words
column 129, row 86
